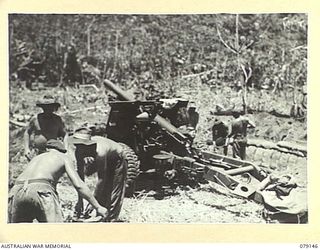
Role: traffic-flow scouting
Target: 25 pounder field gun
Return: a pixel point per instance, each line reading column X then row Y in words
column 153, row 142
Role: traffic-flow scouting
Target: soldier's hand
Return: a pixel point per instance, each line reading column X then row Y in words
column 273, row 178
column 88, row 160
column 170, row 174
column 230, row 141
column 28, row 154
column 88, row 210
column 102, row 211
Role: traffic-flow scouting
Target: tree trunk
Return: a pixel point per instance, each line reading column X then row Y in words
column 243, row 79
column 237, row 34
column 89, row 36
column 88, row 42
column 244, row 97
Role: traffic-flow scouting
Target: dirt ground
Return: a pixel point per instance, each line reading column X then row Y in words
column 208, row 203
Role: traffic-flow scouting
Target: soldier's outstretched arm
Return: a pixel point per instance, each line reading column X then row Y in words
column 26, row 139
column 231, row 131
column 251, row 123
column 82, row 188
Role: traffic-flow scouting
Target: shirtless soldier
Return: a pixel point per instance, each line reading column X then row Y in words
column 239, row 134
column 43, row 127
column 111, row 167
column 34, row 195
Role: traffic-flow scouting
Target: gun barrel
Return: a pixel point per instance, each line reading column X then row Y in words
column 122, row 94
column 160, row 120
column 165, row 124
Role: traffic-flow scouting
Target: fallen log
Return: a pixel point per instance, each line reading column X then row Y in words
column 84, row 109
column 229, row 112
column 90, row 86
column 287, row 147
column 18, row 124
column 293, row 146
column 278, row 114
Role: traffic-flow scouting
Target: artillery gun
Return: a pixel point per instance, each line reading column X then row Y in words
column 154, row 144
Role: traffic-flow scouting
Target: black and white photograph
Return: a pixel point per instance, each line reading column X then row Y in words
column 158, row 118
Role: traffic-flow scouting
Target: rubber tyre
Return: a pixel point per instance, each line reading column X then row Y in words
column 133, row 168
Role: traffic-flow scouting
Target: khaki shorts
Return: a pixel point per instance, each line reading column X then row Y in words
column 34, row 200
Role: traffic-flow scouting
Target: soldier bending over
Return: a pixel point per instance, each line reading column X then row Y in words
column 34, row 195
column 111, row 167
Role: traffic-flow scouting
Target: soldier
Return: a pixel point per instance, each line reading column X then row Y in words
column 111, row 167
column 34, row 195
column 239, row 134
column 220, row 133
column 43, row 126
column 71, row 66
column 193, row 116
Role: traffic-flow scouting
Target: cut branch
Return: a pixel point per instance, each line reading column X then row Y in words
column 247, row 76
column 299, row 47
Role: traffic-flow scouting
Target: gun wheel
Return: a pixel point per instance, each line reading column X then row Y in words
column 133, row 168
